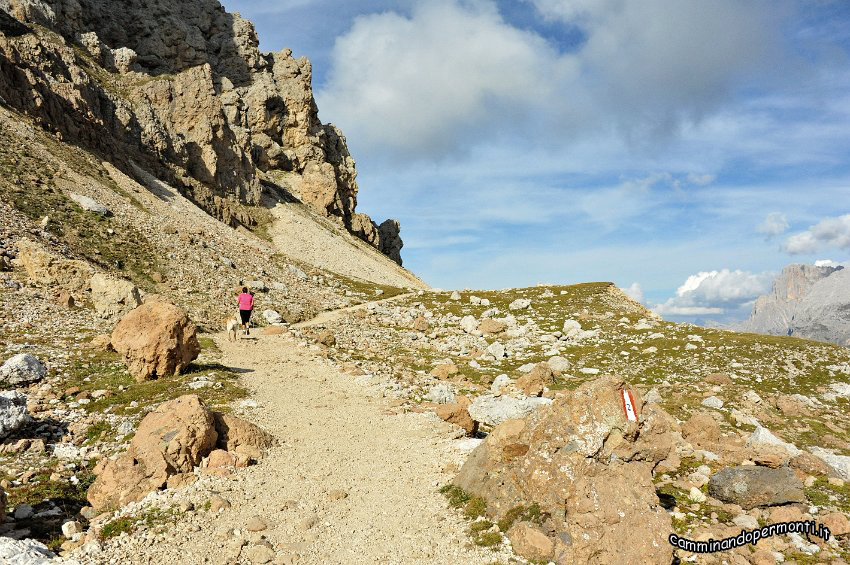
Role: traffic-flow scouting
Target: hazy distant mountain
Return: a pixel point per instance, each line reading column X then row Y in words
column 806, row 301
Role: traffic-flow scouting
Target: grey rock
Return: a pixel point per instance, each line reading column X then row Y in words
column 713, row 402
column 257, row 286
column 13, row 412
column 839, row 463
column 752, row 486
column 493, row 410
column 272, row 316
column 763, row 437
column 441, row 394
column 519, row 304
column 20, row 369
column 299, row 274
column 23, row 511
column 24, row 552
column 90, row 204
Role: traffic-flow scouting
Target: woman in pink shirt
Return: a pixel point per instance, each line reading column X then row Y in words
column 246, row 305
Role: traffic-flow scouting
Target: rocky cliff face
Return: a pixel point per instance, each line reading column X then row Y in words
column 181, row 90
column 806, row 301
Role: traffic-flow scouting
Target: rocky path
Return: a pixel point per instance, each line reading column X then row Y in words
column 352, row 481
column 331, row 315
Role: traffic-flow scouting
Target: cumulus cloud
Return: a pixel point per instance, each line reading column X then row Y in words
column 826, row 263
column 429, row 81
column 455, row 74
column 634, row 291
column 831, row 233
column 716, row 292
column 774, row 224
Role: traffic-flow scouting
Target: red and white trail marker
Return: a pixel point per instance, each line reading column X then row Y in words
column 629, row 406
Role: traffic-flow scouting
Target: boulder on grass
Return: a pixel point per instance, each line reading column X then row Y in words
column 48, row 270
column 156, row 339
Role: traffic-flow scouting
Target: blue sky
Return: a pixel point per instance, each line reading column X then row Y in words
column 684, row 149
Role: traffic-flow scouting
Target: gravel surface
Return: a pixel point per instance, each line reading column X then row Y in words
column 352, row 481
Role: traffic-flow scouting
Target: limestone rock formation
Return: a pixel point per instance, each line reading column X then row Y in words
column 588, row 469
column 181, row 90
column 156, row 339
column 806, row 301
column 46, row 269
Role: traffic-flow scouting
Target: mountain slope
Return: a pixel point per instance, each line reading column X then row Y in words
column 181, row 90
column 806, row 301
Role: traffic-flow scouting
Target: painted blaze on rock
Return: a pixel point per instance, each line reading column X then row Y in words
column 588, row 468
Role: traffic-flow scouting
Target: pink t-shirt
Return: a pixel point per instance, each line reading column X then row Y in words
column 246, row 301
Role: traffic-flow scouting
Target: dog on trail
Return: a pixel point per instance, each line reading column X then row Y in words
column 232, row 325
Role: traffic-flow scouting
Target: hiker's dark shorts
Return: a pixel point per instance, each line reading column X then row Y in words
column 245, row 315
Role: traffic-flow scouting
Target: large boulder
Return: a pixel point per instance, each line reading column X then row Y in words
column 113, row 298
column 13, row 412
column 588, row 468
column 172, row 439
column 21, row 369
column 751, row 486
column 156, row 339
column 48, row 270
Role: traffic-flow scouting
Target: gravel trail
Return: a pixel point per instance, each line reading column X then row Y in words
column 352, row 481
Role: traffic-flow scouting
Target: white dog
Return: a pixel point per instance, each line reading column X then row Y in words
column 232, row 325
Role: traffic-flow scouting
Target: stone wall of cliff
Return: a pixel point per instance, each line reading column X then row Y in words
column 181, row 89
column 806, row 301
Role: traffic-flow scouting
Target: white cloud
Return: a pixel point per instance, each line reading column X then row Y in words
column 716, row 292
column 774, row 224
column 830, row 232
column 435, row 81
column 826, row 263
column 456, row 74
column 634, row 291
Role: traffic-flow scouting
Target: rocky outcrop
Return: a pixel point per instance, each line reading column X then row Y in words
column 46, row 269
column 806, row 301
column 172, row 439
column 169, row 444
column 182, row 91
column 588, row 469
column 157, row 339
